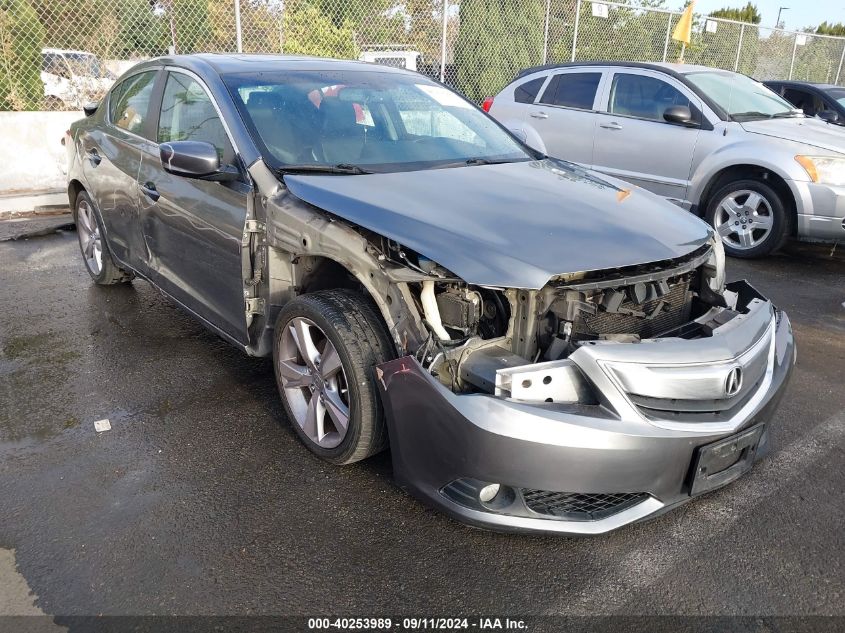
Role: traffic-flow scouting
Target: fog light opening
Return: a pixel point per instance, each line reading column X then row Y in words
column 488, row 493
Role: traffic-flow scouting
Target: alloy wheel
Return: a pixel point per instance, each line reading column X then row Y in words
column 744, row 219
column 314, row 382
column 90, row 240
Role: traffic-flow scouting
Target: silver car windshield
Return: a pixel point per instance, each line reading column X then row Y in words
column 741, row 97
column 366, row 121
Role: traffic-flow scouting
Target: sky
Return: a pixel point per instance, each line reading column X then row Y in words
column 802, row 13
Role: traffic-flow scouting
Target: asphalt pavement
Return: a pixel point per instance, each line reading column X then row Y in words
column 200, row 499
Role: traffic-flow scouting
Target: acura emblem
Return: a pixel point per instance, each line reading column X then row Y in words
column 733, row 383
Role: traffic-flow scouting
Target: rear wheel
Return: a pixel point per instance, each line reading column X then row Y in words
column 95, row 252
column 750, row 218
column 326, row 347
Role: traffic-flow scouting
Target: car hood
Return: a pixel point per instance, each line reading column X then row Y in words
column 513, row 225
column 812, row 132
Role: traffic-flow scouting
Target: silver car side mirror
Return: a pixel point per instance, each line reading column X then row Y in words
column 680, row 115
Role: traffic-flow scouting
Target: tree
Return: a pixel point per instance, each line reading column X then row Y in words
column 308, row 31
column 496, row 39
column 748, row 13
column 21, row 40
column 829, row 28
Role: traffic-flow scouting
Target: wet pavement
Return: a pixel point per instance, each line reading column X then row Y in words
column 200, row 499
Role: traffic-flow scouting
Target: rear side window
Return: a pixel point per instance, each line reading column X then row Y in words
column 643, row 97
column 130, row 102
column 572, row 90
column 527, row 92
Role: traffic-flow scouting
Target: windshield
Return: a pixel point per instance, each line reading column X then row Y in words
column 84, row 65
column 740, row 96
column 376, row 121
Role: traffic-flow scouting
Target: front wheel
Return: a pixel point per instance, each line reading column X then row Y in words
column 325, row 349
column 749, row 217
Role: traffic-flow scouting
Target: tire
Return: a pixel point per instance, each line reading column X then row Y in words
column 92, row 245
column 750, row 217
column 315, row 393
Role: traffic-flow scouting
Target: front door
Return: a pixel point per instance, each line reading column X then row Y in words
column 192, row 229
column 634, row 142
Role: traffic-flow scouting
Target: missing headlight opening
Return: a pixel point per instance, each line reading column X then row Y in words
column 514, row 342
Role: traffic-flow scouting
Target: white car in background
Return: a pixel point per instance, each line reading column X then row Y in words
column 714, row 142
column 72, row 78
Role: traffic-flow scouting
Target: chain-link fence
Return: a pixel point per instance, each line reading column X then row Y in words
column 58, row 54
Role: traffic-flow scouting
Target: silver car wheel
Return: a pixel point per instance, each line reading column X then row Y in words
column 90, row 240
column 744, row 219
column 314, row 382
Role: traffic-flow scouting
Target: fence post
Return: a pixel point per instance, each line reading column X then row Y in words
column 841, row 59
column 238, row 33
column 546, row 33
column 794, row 50
column 443, row 42
column 575, row 33
column 739, row 47
column 666, row 43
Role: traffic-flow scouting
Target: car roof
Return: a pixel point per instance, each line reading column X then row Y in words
column 57, row 51
column 666, row 67
column 223, row 64
column 804, row 84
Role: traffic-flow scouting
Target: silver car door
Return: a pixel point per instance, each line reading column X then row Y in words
column 634, row 142
column 564, row 115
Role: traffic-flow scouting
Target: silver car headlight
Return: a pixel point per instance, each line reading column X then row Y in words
column 714, row 267
column 824, row 170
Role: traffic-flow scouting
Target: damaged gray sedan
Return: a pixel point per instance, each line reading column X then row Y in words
column 542, row 348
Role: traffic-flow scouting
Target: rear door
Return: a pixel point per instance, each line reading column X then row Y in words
column 564, row 115
column 192, row 229
column 634, row 142
column 111, row 157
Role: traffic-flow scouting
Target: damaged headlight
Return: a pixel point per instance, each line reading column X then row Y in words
column 714, row 267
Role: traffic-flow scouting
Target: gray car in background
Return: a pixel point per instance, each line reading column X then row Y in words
column 715, row 142
column 534, row 359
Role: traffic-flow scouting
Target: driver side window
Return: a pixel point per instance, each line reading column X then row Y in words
column 643, row 97
column 188, row 114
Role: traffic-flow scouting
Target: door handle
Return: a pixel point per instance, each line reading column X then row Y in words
column 94, row 157
column 149, row 190
column 611, row 126
column 540, row 115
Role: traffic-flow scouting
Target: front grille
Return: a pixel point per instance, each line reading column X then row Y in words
column 574, row 506
column 675, row 311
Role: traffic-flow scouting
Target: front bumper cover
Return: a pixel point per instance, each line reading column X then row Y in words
column 439, row 438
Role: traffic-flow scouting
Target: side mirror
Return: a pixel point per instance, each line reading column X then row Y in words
column 680, row 115
column 90, row 108
column 828, row 116
column 195, row 159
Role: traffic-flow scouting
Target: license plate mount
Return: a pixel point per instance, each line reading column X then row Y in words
column 724, row 461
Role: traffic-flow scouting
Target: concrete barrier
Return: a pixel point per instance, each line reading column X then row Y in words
column 36, row 161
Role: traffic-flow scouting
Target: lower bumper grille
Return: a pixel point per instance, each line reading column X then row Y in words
column 574, row 506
